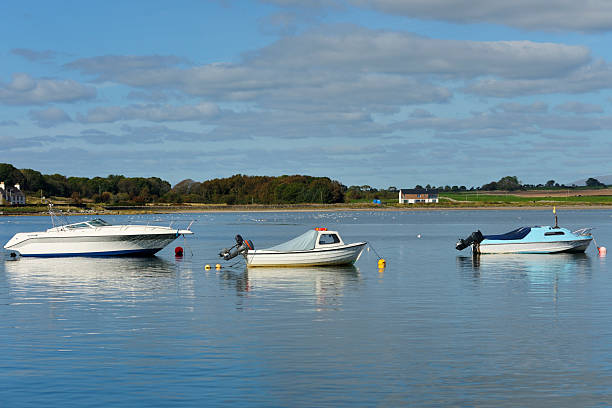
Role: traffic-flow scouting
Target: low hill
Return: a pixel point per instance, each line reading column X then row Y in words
column 607, row 180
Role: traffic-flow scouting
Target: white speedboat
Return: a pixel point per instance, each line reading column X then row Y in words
column 529, row 240
column 94, row 238
column 313, row 248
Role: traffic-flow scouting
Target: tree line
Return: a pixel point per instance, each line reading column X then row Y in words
column 243, row 189
column 114, row 189
column 121, row 190
column 237, row 189
column 512, row 183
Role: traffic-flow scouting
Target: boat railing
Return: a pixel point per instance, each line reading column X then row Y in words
column 583, row 231
column 158, row 222
column 188, row 226
column 60, row 221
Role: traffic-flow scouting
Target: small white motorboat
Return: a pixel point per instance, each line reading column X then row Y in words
column 94, row 238
column 313, row 248
column 529, row 240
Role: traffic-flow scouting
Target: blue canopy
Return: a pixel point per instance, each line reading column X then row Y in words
column 518, row 233
column 304, row 242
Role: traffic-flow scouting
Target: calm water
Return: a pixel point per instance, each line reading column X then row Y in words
column 436, row 328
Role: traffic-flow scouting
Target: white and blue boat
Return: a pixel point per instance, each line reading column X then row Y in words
column 94, row 238
column 529, row 240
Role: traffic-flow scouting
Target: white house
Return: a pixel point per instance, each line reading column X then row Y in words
column 412, row 196
column 11, row 195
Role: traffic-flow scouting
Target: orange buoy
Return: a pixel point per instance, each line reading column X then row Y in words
column 178, row 251
column 602, row 251
column 381, row 263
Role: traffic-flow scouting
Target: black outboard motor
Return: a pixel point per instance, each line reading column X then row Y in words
column 242, row 246
column 474, row 239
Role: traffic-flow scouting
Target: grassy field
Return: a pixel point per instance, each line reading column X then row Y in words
column 480, row 198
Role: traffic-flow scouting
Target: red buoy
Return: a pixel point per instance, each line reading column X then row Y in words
column 178, row 251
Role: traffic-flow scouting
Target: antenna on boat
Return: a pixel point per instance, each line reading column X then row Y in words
column 52, row 214
column 556, row 220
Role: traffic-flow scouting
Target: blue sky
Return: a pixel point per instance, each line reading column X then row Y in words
column 377, row 92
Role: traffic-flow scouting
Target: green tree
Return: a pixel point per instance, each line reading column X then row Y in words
column 11, row 175
column 509, row 183
column 34, row 180
column 593, row 182
column 57, row 185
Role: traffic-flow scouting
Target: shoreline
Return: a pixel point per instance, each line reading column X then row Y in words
column 298, row 208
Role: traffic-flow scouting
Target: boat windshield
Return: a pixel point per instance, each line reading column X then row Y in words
column 98, row 222
column 327, row 239
column 78, row 225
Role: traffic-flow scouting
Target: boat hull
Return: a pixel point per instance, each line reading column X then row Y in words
column 56, row 245
column 343, row 255
column 553, row 247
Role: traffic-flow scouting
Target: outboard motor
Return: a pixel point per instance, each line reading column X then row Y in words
column 474, row 239
column 242, row 246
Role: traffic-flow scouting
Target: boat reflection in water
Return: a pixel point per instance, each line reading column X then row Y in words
column 324, row 284
column 96, row 277
column 536, row 268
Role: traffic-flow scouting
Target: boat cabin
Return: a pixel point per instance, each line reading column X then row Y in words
column 328, row 239
column 317, row 238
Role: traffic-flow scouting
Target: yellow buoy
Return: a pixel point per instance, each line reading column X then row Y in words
column 381, row 263
column 207, row 267
column 218, row 266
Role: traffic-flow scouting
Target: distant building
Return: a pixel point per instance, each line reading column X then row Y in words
column 11, row 195
column 411, row 196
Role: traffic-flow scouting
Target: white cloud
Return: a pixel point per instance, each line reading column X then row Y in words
column 356, row 49
column 589, row 15
column 139, row 135
column 35, row 56
column 579, row 108
column 26, row 90
column 588, row 78
column 49, row 117
column 348, row 68
column 153, row 113
column 421, row 113
column 513, row 107
column 296, row 124
column 111, row 67
column 499, row 124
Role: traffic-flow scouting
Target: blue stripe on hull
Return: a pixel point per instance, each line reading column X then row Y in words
column 130, row 252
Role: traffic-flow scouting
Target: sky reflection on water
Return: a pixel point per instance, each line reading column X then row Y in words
column 435, row 328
